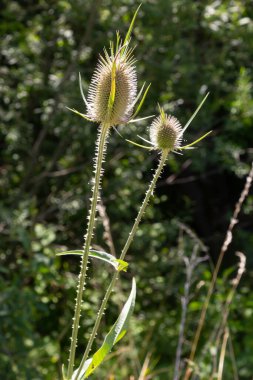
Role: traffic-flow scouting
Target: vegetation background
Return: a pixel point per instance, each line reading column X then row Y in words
column 185, row 48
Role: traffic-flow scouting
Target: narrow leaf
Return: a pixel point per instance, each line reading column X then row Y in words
column 81, row 90
column 196, row 141
column 195, row 113
column 63, row 373
column 119, row 265
column 116, row 130
column 139, row 95
column 140, row 119
column 116, row 333
column 141, row 102
column 139, row 145
column 83, row 370
column 65, row 253
column 147, row 141
column 174, row 151
column 117, row 41
column 127, row 38
column 113, row 81
column 79, row 114
column 113, row 86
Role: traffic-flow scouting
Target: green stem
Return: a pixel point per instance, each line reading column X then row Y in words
column 101, row 145
column 122, row 256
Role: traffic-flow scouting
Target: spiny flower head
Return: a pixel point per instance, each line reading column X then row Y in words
column 112, row 94
column 166, row 132
column 113, row 88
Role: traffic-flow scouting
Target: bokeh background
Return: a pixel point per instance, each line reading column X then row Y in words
column 184, row 48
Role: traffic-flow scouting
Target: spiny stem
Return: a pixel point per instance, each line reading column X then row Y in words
column 101, row 145
column 145, row 203
column 122, row 256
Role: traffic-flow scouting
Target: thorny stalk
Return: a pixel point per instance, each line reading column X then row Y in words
column 100, row 151
column 132, row 233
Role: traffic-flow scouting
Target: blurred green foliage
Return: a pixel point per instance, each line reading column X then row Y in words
column 185, row 48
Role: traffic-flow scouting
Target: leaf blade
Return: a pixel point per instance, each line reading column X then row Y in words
column 196, row 141
column 80, row 114
column 81, row 91
column 116, row 333
column 141, row 102
column 195, row 113
column 118, row 265
column 127, row 38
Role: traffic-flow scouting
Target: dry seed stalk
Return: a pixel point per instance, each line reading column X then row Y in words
column 226, row 243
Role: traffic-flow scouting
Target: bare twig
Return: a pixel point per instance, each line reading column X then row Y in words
column 232, row 357
column 222, row 354
column 226, row 308
column 190, row 265
column 145, row 366
column 192, row 235
column 226, row 243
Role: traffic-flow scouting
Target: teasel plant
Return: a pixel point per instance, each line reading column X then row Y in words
column 166, row 134
column 111, row 101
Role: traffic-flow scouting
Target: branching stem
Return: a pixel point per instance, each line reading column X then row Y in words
column 101, row 145
column 122, row 256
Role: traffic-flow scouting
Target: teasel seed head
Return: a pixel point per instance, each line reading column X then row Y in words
column 120, row 68
column 166, row 132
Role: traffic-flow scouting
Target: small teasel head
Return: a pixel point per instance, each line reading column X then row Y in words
column 166, row 132
column 113, row 87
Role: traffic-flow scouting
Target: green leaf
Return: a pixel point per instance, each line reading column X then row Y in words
column 83, row 370
column 141, row 102
column 196, row 141
column 113, row 86
column 81, row 90
column 116, row 333
column 139, row 145
column 122, row 265
column 119, row 265
column 140, row 119
column 80, row 114
column 63, row 373
column 147, row 141
column 195, row 113
column 127, row 38
column 65, row 253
